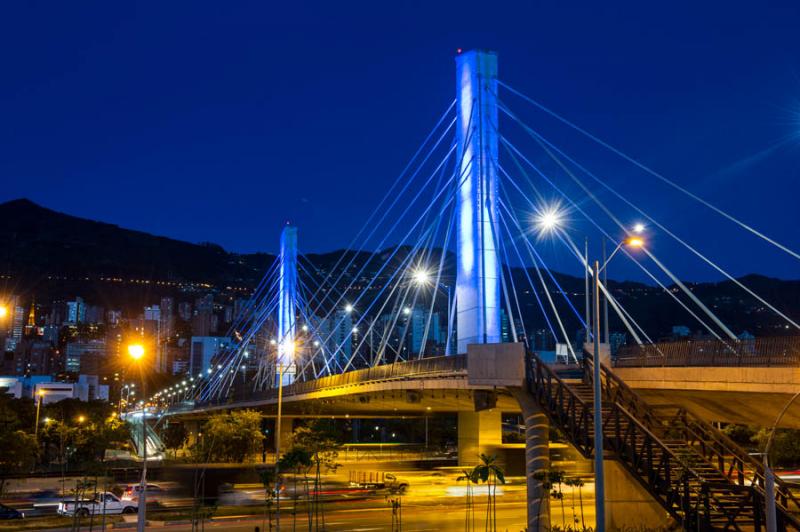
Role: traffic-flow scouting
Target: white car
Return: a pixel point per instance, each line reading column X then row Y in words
column 104, row 503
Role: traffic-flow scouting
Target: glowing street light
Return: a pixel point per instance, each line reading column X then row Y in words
column 3, row 311
column 136, row 351
column 638, row 228
column 549, row 219
column 348, row 308
column 635, row 242
column 421, row 277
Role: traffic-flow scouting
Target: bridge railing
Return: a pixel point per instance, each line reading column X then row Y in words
column 758, row 352
column 428, row 367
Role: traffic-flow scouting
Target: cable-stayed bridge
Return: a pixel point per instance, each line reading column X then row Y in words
column 468, row 231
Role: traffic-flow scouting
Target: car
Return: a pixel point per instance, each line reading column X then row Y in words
column 154, row 492
column 107, row 503
column 7, row 512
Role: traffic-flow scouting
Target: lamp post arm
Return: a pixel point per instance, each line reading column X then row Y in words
column 769, row 476
column 608, row 260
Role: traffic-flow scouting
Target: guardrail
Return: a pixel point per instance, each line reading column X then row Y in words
column 759, row 352
column 424, row 367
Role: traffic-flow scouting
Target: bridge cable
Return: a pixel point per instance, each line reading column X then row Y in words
column 657, row 224
column 651, row 171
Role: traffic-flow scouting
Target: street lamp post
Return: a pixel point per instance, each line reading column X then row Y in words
column 550, row 220
column 599, row 467
column 288, row 349
column 136, row 352
column 40, row 395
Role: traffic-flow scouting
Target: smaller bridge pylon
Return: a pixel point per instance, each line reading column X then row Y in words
column 286, row 368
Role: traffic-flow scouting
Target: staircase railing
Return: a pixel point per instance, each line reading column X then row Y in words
column 665, row 474
column 712, row 444
column 734, row 461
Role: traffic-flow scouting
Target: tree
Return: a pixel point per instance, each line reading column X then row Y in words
column 785, row 450
column 298, row 461
column 577, row 483
column 19, row 454
column 320, row 440
column 267, row 477
column 469, row 517
column 230, row 437
column 175, row 437
column 490, row 473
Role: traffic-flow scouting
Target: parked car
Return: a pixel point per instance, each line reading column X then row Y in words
column 103, row 503
column 7, row 512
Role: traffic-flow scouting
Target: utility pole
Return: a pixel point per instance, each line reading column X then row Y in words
column 586, row 288
column 142, row 506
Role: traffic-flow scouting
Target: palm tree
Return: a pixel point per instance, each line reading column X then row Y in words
column 297, row 459
column 469, row 517
column 547, row 485
column 556, row 479
column 490, row 473
column 577, row 482
column 268, row 480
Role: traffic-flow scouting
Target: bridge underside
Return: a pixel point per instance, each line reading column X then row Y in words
column 411, row 398
column 744, row 395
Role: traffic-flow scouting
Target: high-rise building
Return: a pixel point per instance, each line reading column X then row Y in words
column 34, row 357
column 416, row 330
column 76, row 311
column 167, row 307
column 204, row 350
column 30, row 327
column 94, row 314
column 152, row 313
column 85, row 356
column 18, row 323
column 185, row 310
column 335, row 336
column 113, row 317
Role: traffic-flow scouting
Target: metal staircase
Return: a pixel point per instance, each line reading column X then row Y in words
column 700, row 476
column 155, row 447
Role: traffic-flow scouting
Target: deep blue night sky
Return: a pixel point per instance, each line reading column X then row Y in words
column 218, row 121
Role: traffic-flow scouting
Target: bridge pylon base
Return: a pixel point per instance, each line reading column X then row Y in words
column 478, row 433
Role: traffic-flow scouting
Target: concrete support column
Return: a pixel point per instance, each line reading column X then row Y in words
column 287, row 428
column 478, row 432
column 537, row 459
